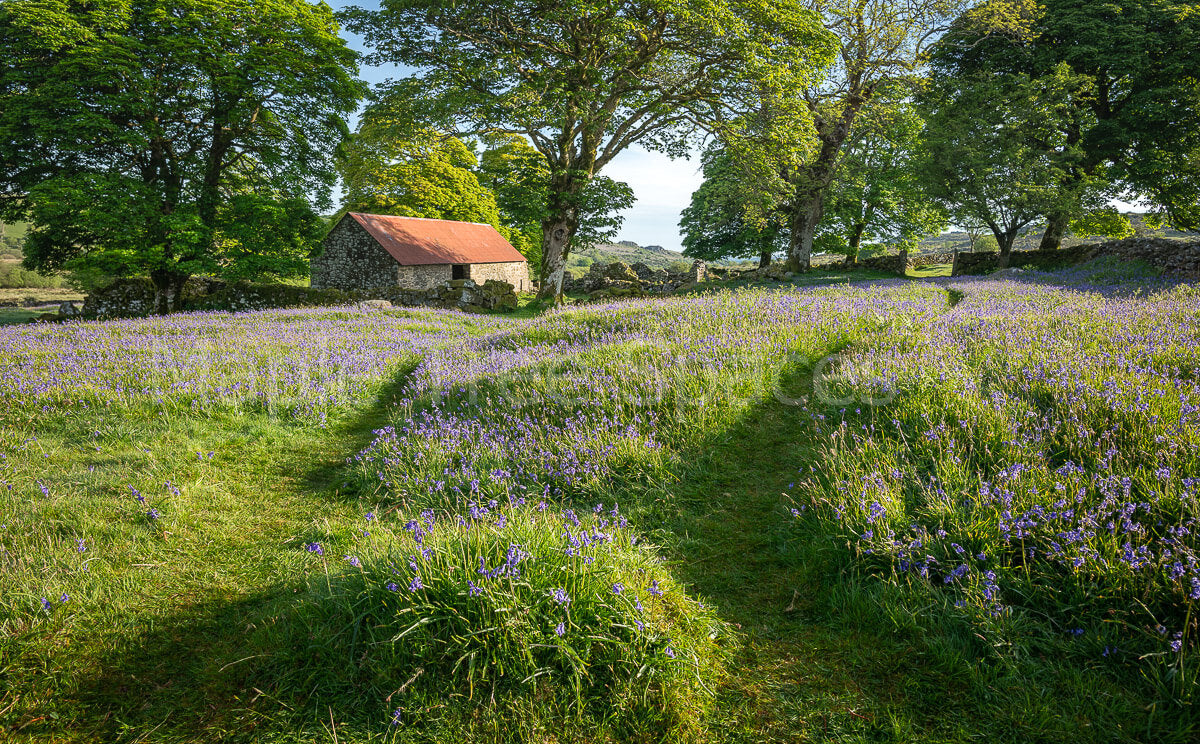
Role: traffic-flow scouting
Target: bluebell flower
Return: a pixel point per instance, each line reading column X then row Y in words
column 314, row 548
column 46, row 604
column 391, row 586
column 415, row 584
column 560, row 596
column 559, row 630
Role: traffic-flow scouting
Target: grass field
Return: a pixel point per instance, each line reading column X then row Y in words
column 877, row 511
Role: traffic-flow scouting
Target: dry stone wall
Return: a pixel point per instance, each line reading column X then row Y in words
column 895, row 263
column 1174, row 257
column 930, row 259
column 135, row 297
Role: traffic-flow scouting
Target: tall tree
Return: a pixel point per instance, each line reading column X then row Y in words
column 798, row 135
column 723, row 221
column 423, row 173
column 876, row 195
column 1135, row 123
column 585, row 80
column 132, row 133
column 520, row 178
column 993, row 152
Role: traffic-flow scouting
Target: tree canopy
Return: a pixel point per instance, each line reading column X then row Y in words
column 723, row 221
column 877, row 196
column 584, row 81
column 793, row 136
column 418, row 174
column 999, row 155
column 1136, row 67
column 139, row 137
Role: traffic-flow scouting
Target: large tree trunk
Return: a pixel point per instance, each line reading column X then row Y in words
column 805, row 218
column 764, row 257
column 1056, row 228
column 556, row 244
column 855, row 242
column 1005, row 240
column 557, row 231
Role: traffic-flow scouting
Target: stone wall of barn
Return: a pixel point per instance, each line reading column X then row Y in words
column 515, row 273
column 352, row 260
column 426, row 276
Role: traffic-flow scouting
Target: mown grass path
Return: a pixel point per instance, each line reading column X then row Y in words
column 799, row 674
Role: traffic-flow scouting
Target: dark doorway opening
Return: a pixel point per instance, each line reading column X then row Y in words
column 458, row 271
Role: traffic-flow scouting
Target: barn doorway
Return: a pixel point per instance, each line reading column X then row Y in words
column 458, row 271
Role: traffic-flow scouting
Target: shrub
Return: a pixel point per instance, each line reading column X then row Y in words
column 12, row 275
column 561, row 616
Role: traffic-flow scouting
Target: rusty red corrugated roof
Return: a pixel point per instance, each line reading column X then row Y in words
column 416, row 240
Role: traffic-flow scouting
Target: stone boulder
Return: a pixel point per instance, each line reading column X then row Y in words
column 375, row 305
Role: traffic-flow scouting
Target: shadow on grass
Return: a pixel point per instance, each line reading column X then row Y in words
column 800, row 672
column 829, row 652
column 326, row 471
column 184, row 676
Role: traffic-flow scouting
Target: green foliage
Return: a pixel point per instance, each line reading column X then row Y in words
column 1000, row 152
column 263, row 238
column 1105, row 223
column 389, row 170
column 217, row 99
column 791, row 137
column 1135, row 123
column 13, row 276
column 876, row 195
column 584, row 81
column 724, row 220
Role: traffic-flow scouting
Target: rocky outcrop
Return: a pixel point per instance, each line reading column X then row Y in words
column 606, row 281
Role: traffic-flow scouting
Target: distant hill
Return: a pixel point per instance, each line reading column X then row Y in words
column 11, row 237
column 626, row 251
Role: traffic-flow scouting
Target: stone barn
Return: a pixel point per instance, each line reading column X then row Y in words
column 374, row 251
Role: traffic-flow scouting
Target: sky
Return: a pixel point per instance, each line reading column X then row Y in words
column 663, row 187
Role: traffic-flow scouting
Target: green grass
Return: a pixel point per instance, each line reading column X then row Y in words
column 924, row 272
column 212, row 622
column 14, row 315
